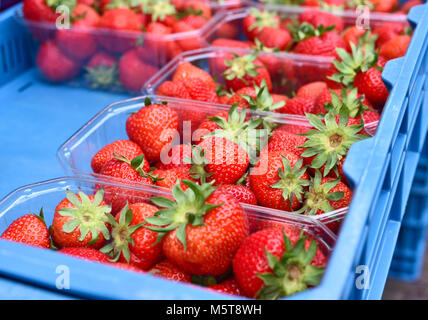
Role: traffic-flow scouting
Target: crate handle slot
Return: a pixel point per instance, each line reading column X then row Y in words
column 391, row 72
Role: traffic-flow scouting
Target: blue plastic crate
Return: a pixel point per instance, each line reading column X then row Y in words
column 381, row 169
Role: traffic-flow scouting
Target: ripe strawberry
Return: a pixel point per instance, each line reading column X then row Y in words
column 125, row 266
column 396, row 47
column 269, row 266
column 388, row 31
column 275, row 38
column 294, row 128
column 246, row 71
column 132, row 243
column 41, row 11
column 153, row 128
column 102, row 72
column 241, row 193
column 257, row 20
column 133, row 72
column 79, row 42
column 230, row 43
column 385, row 5
column 285, row 141
column 239, row 97
column 298, row 105
column 186, row 71
column 370, row 84
column 320, row 18
column 125, row 148
column 54, row 64
column 311, row 90
column 229, row 286
column 168, row 178
column 154, row 46
column 134, row 173
column 81, row 221
column 187, row 43
column 86, row 254
column 159, row 11
column 173, row 89
column 166, row 269
column 201, row 229
column 118, row 19
column 196, row 7
column 278, row 180
column 199, row 91
column 29, row 229
column 176, row 157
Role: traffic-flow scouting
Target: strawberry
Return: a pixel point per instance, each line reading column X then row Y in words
column 196, row 7
column 132, row 243
column 78, row 42
column 241, row 193
column 125, row 148
column 29, row 229
column 278, row 180
column 239, row 97
column 201, row 229
column 246, row 71
column 166, row 269
column 173, row 89
column 132, row 173
column 114, row 20
column 176, row 157
column 81, row 221
column 198, row 90
column 153, row 128
column 388, row 31
column 269, row 266
column 86, row 254
column 385, row 5
column 230, row 43
column 298, row 105
column 285, row 141
column 229, row 286
column 162, row 11
column 318, row 18
column 328, row 143
column 154, row 45
column 41, row 11
column 295, row 128
column 189, row 43
column 311, row 90
column 102, row 71
column 169, row 177
column 54, row 64
column 133, row 72
column 186, row 71
column 257, row 20
column 259, row 99
column 125, row 266
column 410, row 4
column 275, row 38
column 395, row 48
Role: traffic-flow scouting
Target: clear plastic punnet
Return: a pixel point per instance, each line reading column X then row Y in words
column 110, row 125
column 99, row 280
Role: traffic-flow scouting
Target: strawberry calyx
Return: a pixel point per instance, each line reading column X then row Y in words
column 330, row 141
column 120, row 4
column 331, row 7
column 304, row 30
column 318, row 196
column 198, row 161
column 290, row 181
column 189, row 12
column 359, row 60
column 71, row 4
column 263, row 100
column 86, row 215
column 188, row 207
column 102, row 76
column 159, row 9
column 40, row 216
column 357, row 3
column 121, row 234
column 240, row 66
column 137, row 164
column 292, row 272
column 350, row 102
column 264, row 19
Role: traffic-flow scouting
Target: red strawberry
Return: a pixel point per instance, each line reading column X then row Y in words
column 166, row 269
column 322, row 45
column 119, row 19
column 395, row 48
column 370, row 84
column 229, row 286
column 133, row 72
column 311, row 90
column 176, row 157
column 238, row 97
column 39, row 10
column 199, row 91
column 102, row 72
column 186, row 70
column 79, row 42
column 230, row 43
column 278, row 180
column 125, row 148
column 153, row 128
column 257, row 20
column 282, row 140
column 241, row 193
column 352, row 35
column 388, row 31
column 294, row 128
column 169, row 177
column 196, row 22
column 134, row 173
column 125, row 266
column 86, row 254
column 204, row 239
column 187, row 43
column 320, row 18
column 275, row 38
column 132, row 243
column 160, row 11
column 54, row 64
column 246, row 71
column 81, row 221
column 196, row 6
column 173, row 89
column 298, row 105
column 270, row 266
column 29, row 229
column 385, row 5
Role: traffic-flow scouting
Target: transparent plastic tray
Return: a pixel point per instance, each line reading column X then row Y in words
column 94, row 280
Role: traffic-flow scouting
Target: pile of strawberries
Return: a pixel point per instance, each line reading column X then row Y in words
column 113, row 42
column 200, row 235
